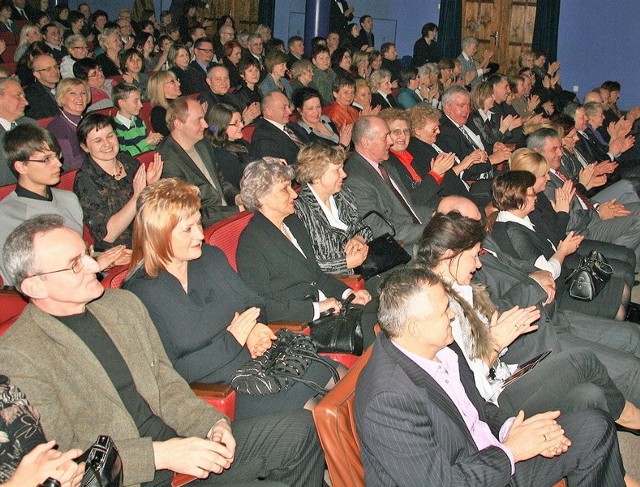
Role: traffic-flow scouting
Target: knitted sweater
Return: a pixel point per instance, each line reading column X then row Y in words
column 132, row 139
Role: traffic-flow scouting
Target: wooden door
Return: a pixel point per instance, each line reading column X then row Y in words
column 504, row 26
column 244, row 12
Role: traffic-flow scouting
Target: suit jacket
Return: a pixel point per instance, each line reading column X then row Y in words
column 76, row 399
column 213, row 98
column 411, row 432
column 372, row 193
column 337, row 19
column 451, row 139
column 269, row 140
column 42, row 104
column 425, row 192
column 178, row 164
column 579, row 219
column 195, row 79
column 363, row 39
column 378, row 100
column 6, row 174
column 275, row 269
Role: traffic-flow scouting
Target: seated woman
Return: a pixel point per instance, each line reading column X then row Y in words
column 109, row 182
column 248, row 92
column 319, row 126
column 514, row 197
column 110, row 41
column 26, row 458
column 132, row 66
column 232, row 152
column 360, row 65
column 232, row 53
column 145, row 44
column 178, row 59
column 72, row 96
column 341, row 62
column 482, row 100
column 340, row 111
column 328, row 211
column 275, row 256
column 29, row 34
column 568, row 380
column 276, row 65
column 408, row 82
column 88, row 70
column 208, row 319
column 380, row 84
column 323, row 75
column 77, row 48
column 162, row 89
column 301, row 74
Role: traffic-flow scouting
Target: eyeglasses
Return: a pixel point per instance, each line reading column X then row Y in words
column 172, row 81
column 205, row 50
column 79, row 47
column 53, row 67
column 50, row 159
column 399, row 132
column 76, row 266
column 433, row 130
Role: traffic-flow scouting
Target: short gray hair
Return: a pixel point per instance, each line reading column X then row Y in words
column 377, row 77
column 72, row 39
column 467, row 41
column 364, row 128
column 452, row 91
column 17, row 253
column 396, row 293
column 538, row 139
column 258, row 180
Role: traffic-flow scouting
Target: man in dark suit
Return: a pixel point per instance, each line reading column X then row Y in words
column 274, row 135
column 190, row 158
column 503, row 111
column 366, row 38
column 296, row 50
column 421, row 420
column 41, row 94
column 196, row 73
column 378, row 187
column 12, row 106
column 340, row 14
column 255, row 50
column 19, row 10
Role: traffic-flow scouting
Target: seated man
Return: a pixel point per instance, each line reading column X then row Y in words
column 73, row 347
column 41, row 94
column 196, row 76
column 33, row 156
column 190, row 158
column 421, row 421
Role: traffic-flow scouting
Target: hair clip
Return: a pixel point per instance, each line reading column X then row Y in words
column 213, row 128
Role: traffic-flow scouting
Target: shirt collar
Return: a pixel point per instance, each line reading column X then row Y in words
column 507, row 216
column 127, row 122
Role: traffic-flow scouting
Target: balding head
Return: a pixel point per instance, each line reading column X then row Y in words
column 371, row 138
column 462, row 205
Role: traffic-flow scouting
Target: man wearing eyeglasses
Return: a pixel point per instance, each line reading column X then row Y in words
column 41, row 94
column 12, row 106
column 196, row 75
column 92, row 363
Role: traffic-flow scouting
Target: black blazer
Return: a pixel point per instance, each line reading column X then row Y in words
column 269, row 140
column 42, row 104
column 451, row 139
column 378, row 100
column 425, row 192
column 195, row 79
column 400, row 408
column 275, row 269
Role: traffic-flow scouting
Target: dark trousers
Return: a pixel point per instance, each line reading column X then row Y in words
column 281, row 448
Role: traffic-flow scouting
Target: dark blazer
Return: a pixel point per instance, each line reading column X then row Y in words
column 451, row 139
column 378, row 100
column 42, row 104
column 178, row 164
column 425, row 192
column 195, row 79
column 213, row 98
column 337, row 20
column 425, row 53
column 579, row 219
column 515, row 136
column 372, row 193
column 6, row 174
column 269, row 140
column 275, row 269
column 181, row 75
column 400, row 408
column 363, row 39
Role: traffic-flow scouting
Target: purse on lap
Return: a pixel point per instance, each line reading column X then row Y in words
column 339, row 333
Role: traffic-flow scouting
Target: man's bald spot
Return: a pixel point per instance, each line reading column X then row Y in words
column 462, row 205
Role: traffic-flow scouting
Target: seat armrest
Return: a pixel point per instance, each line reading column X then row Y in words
column 220, row 396
column 355, row 282
column 296, row 326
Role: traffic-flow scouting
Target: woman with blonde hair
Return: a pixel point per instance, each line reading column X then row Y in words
column 162, row 89
column 110, row 41
column 209, row 321
column 28, row 34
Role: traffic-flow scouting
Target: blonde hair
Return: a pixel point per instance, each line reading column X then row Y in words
column 528, row 160
column 155, row 88
column 66, row 85
column 314, row 159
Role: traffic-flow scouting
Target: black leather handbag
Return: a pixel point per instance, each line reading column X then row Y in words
column 281, row 366
column 103, row 464
column 341, row 333
column 588, row 279
column 385, row 252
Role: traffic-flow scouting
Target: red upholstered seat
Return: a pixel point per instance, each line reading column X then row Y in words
column 5, row 190
column 226, row 234
column 44, row 122
column 247, row 132
column 11, row 67
column 146, row 157
column 145, row 114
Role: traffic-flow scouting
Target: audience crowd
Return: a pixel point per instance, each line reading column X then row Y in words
column 488, row 370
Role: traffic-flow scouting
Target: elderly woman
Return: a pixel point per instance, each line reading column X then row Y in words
column 362, row 98
column 323, row 75
column 275, row 256
column 132, row 65
column 380, row 84
column 163, row 88
column 408, row 81
column 514, row 196
column 428, row 87
column 29, row 34
column 109, row 182
column 209, row 326
column 450, row 246
column 232, row 152
column 301, row 74
column 89, row 71
column 276, row 65
column 110, row 41
column 328, row 211
column 340, row 111
column 72, row 96
column 318, row 126
column 77, row 48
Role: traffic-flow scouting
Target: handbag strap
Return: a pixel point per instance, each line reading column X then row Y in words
column 368, row 214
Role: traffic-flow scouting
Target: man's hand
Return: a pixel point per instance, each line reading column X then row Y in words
column 610, row 210
column 154, row 138
column 362, row 297
column 197, row 456
column 589, row 179
column 604, row 167
column 546, row 282
column 539, row 435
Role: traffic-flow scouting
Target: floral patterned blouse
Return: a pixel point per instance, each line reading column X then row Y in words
column 102, row 196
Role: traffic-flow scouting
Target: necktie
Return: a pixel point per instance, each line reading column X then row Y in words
column 468, row 137
column 292, row 135
column 580, row 196
column 387, row 179
column 13, row 125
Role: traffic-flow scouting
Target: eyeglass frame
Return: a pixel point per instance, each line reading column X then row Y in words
column 77, row 261
column 48, row 68
column 48, row 159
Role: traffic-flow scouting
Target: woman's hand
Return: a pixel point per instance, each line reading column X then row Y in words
column 155, row 168
column 128, row 77
column 139, row 181
column 118, row 255
column 509, row 122
column 563, row 197
column 476, row 157
column 243, row 323
column 508, row 326
column 534, row 101
column 43, row 462
column 362, row 297
column 345, row 134
column 250, row 113
column 356, row 251
column 443, row 162
column 569, row 245
column 259, row 340
column 366, row 111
